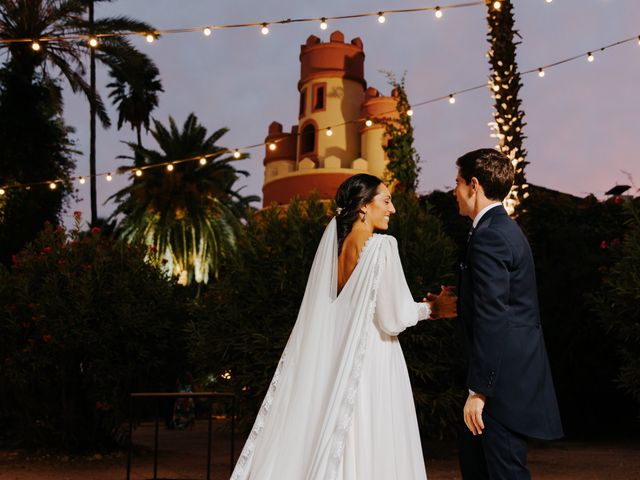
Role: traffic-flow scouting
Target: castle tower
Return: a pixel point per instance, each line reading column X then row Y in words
column 332, row 93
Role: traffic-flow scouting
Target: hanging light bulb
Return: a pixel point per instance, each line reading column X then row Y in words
column 549, row 1
column 138, row 172
column 590, row 57
column 2, row 192
column 236, row 154
column 381, row 18
column 272, row 146
column 265, row 29
column 329, row 132
column 438, row 12
column 93, row 42
column 203, row 161
column 109, row 177
column 497, row 5
column 170, row 167
column 410, row 112
column 53, row 185
column 81, row 180
column 452, row 99
column 207, row 31
column 150, row 37
column 368, row 122
column 35, row 46
column 323, row 23
column 541, row 72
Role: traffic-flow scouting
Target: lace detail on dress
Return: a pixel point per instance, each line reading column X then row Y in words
column 423, row 311
column 347, row 404
column 249, row 446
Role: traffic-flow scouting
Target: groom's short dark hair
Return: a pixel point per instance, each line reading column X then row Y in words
column 493, row 170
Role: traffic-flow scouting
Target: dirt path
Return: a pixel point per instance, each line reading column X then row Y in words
column 182, row 455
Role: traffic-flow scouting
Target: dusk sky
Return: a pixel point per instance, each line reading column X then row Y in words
column 582, row 118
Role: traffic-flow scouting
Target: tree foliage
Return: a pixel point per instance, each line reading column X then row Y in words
column 402, row 169
column 84, row 321
column 616, row 304
column 191, row 215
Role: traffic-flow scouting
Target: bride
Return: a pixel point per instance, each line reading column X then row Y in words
column 340, row 405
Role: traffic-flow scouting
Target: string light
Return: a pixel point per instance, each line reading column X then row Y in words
column 638, row 39
column 368, row 122
column 590, row 57
column 265, row 29
column 207, row 31
column 52, row 185
column 203, row 161
column 2, row 191
column 35, row 46
column 329, row 132
column 381, row 18
column 93, row 42
column 323, row 24
column 138, row 172
column 438, row 12
column 152, row 36
column 549, row 1
column 170, row 167
column 541, row 72
column 497, row 5
column 410, row 113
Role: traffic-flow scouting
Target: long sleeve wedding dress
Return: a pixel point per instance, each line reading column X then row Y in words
column 340, row 405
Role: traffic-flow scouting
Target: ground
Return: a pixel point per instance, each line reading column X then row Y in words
column 182, row 455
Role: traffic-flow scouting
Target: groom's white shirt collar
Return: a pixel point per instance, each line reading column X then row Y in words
column 483, row 211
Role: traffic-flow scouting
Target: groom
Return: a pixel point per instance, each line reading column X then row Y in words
column 511, row 394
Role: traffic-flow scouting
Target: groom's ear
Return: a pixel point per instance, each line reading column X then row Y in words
column 475, row 185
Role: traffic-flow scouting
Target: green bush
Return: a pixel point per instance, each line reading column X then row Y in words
column 617, row 304
column 84, row 321
column 241, row 324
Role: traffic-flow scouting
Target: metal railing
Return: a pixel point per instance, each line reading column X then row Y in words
column 158, row 396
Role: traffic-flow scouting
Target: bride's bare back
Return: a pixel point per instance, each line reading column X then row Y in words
column 350, row 254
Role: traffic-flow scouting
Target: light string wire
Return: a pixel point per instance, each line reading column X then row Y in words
column 272, row 144
column 211, row 28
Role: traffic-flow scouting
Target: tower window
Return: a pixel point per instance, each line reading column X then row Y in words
column 319, row 93
column 303, row 102
column 308, row 139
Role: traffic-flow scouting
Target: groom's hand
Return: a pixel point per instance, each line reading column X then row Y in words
column 473, row 413
column 442, row 305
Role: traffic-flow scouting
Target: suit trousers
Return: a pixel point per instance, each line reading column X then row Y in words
column 497, row 454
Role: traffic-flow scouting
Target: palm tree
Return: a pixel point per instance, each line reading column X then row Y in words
column 506, row 81
column 64, row 20
column 134, row 90
column 190, row 217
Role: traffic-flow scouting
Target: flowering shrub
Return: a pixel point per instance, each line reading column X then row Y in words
column 83, row 322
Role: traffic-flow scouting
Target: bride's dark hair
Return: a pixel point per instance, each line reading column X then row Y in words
column 352, row 194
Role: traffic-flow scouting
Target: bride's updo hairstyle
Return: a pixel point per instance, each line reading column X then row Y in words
column 352, row 194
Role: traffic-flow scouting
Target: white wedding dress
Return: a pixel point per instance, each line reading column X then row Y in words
column 340, row 405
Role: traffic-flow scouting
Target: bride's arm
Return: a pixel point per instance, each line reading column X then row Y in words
column 395, row 308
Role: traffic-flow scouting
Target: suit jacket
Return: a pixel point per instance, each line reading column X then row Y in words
column 498, row 311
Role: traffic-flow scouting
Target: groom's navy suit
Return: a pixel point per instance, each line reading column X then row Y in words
column 507, row 359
